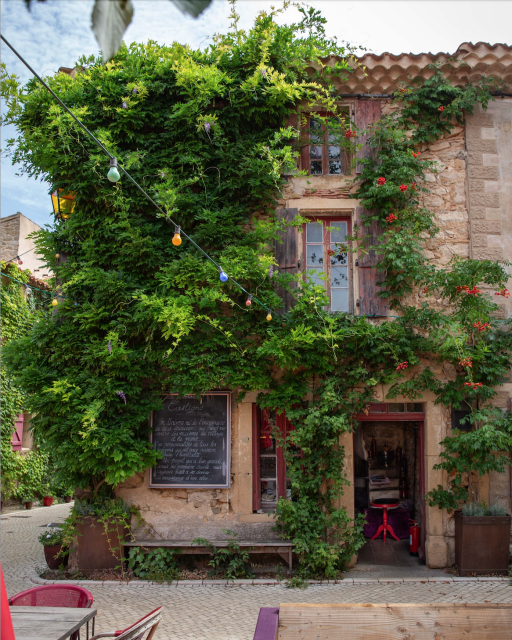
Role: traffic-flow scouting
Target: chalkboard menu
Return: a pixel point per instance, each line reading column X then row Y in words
column 194, row 436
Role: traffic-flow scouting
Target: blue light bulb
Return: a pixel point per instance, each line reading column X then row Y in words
column 223, row 276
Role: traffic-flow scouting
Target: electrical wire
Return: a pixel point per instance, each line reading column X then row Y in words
column 107, row 152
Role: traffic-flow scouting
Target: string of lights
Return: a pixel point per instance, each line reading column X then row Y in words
column 114, row 176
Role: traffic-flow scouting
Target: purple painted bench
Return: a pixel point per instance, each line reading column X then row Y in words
column 266, row 627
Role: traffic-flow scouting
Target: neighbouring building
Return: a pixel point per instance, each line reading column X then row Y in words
column 471, row 196
column 14, row 242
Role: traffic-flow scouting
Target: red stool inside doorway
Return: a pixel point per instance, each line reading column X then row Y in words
column 385, row 504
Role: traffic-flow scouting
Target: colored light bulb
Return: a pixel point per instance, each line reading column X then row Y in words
column 113, row 174
column 269, row 317
column 55, row 302
column 249, row 301
column 57, row 256
column 223, row 276
column 177, row 238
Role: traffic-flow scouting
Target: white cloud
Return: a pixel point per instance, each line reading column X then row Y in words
column 56, row 33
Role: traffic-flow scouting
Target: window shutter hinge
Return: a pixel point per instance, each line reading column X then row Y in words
column 357, row 303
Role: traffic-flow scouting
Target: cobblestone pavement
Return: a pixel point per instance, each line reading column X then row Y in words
column 211, row 612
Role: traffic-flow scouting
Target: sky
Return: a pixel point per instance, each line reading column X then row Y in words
column 55, row 33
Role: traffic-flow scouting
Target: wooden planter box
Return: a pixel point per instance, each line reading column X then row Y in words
column 482, row 544
column 95, row 549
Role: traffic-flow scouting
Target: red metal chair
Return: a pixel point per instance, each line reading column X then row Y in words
column 56, row 595
column 138, row 629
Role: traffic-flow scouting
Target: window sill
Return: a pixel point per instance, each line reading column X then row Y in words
column 257, row 517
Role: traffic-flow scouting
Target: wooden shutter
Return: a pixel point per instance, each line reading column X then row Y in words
column 366, row 113
column 17, row 436
column 369, row 302
column 256, row 488
column 287, row 254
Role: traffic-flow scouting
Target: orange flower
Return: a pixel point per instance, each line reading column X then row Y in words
column 441, row 108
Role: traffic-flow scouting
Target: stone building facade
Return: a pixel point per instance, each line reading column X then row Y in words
column 14, row 241
column 471, row 196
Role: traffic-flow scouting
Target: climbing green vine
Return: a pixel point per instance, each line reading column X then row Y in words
column 207, row 133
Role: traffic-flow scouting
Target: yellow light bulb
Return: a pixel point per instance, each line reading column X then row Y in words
column 55, row 302
column 176, row 240
column 269, row 317
column 57, row 256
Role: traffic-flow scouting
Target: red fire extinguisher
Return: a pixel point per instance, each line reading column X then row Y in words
column 414, row 539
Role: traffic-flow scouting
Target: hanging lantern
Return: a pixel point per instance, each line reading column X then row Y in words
column 177, row 238
column 113, row 174
column 63, row 204
column 223, row 275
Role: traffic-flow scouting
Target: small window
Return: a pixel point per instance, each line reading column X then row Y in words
column 324, row 155
column 270, row 481
column 326, row 259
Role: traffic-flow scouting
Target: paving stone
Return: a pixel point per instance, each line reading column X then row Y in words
column 204, row 613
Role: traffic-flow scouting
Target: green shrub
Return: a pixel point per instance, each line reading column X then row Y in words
column 230, row 562
column 159, row 565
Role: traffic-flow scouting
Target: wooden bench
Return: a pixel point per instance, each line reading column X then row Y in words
column 438, row 621
column 283, row 548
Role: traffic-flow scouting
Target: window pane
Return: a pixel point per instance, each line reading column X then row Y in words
column 334, row 167
column 269, row 492
column 268, row 467
column 315, row 274
column 334, row 153
column 396, row 407
column 339, row 300
column 315, row 152
column 315, row 167
column 314, row 232
column 339, row 277
column 338, row 231
column 338, row 258
column 414, row 407
column 315, row 124
column 314, row 255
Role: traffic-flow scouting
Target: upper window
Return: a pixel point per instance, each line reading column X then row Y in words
column 324, row 155
column 326, row 259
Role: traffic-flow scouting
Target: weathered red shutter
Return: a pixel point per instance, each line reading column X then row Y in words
column 304, row 143
column 366, row 113
column 256, row 428
column 370, row 303
column 287, row 254
column 17, row 436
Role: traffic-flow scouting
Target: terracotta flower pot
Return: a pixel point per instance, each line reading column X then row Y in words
column 95, row 550
column 53, row 562
column 28, row 505
column 48, row 501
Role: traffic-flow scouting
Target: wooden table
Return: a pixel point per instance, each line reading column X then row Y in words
column 49, row 623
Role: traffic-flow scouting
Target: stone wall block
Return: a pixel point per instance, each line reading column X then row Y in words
column 486, row 226
column 475, row 158
column 477, row 213
column 477, row 186
column 483, row 173
column 439, row 146
column 485, row 146
column 473, row 133
column 479, row 240
column 485, row 199
column 480, row 120
column 487, row 254
column 436, row 552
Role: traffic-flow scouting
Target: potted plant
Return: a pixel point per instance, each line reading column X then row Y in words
column 28, row 501
column 99, row 526
column 482, row 533
column 52, row 540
